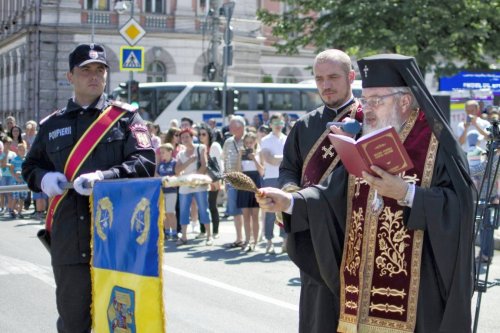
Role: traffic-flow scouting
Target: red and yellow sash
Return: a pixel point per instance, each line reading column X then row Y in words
column 322, row 158
column 82, row 150
column 380, row 270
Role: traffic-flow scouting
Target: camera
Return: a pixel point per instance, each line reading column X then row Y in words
column 246, row 152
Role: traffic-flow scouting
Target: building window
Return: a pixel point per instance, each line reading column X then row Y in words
column 154, row 6
column 157, row 72
column 98, row 4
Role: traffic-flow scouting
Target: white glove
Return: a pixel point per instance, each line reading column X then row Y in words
column 52, row 182
column 84, row 183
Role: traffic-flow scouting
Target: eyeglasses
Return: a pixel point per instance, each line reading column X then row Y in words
column 375, row 101
column 278, row 123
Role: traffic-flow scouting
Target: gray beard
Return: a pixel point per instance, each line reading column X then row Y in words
column 396, row 121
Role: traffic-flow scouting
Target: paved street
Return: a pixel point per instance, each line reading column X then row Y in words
column 207, row 289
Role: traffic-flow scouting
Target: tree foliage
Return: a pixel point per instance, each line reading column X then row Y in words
column 437, row 32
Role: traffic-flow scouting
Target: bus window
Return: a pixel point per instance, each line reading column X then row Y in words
column 259, row 100
column 250, row 99
column 310, row 100
column 165, row 95
column 200, row 98
column 283, row 100
column 147, row 101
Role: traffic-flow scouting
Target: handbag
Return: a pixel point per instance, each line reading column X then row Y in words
column 213, row 169
column 198, row 161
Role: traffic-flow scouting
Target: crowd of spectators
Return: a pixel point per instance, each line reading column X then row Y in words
column 479, row 134
column 193, row 212
column 14, row 145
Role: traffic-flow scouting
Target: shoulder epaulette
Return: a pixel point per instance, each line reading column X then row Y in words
column 123, row 105
column 50, row 115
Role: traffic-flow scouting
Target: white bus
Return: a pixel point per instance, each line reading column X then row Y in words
column 164, row 101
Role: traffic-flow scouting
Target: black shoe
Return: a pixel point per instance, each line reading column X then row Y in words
column 484, row 259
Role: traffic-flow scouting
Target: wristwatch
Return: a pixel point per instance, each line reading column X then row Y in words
column 408, row 199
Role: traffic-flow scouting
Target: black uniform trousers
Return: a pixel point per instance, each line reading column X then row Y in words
column 73, row 297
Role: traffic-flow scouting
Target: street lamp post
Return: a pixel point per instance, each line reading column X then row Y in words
column 93, row 22
column 131, row 73
column 120, row 7
column 227, row 10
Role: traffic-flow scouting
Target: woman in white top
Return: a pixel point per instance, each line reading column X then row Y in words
column 205, row 134
column 192, row 160
column 252, row 167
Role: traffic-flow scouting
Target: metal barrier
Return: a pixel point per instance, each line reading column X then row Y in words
column 24, row 187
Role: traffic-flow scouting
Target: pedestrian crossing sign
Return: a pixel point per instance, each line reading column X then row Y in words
column 132, row 58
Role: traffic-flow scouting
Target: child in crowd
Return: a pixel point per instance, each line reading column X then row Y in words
column 166, row 167
column 7, row 179
column 41, row 202
column 2, row 197
column 15, row 170
column 252, row 167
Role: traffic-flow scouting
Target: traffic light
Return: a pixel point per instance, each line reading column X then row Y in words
column 232, row 101
column 134, row 87
column 211, row 71
column 130, row 87
column 218, row 97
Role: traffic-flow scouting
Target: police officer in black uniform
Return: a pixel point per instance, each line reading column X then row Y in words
column 124, row 151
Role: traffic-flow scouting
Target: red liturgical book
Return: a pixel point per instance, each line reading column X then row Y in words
column 382, row 148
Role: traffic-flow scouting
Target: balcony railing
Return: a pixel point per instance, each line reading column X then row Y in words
column 99, row 17
column 149, row 21
column 155, row 21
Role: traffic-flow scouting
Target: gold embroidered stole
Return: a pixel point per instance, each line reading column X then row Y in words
column 322, row 158
column 380, row 270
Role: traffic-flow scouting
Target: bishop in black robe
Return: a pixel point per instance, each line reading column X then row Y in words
column 443, row 211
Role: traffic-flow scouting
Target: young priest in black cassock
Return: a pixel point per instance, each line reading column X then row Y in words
column 307, row 160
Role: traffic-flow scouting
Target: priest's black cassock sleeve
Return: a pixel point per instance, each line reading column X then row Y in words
column 444, row 303
column 316, row 229
column 316, row 300
column 445, row 289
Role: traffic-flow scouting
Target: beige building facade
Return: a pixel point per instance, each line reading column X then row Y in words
column 182, row 38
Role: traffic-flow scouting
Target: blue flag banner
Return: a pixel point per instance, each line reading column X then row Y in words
column 127, row 247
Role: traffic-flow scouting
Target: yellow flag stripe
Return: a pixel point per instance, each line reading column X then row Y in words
column 148, row 309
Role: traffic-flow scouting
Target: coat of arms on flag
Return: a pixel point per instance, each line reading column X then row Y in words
column 127, row 247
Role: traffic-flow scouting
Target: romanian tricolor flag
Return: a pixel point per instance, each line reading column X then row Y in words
column 127, row 247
